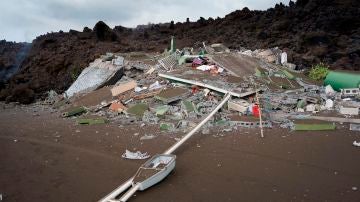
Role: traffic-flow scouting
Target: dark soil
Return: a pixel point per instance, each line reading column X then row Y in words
column 47, row 158
column 311, row 31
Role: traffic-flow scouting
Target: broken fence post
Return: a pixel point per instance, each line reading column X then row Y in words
column 261, row 124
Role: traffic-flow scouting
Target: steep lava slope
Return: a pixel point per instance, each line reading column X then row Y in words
column 8, row 57
column 311, row 31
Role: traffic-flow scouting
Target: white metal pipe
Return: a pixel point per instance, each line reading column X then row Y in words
column 187, row 136
column 128, row 183
column 203, row 85
column 129, row 193
column 118, row 190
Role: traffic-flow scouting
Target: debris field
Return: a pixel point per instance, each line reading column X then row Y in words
column 150, row 97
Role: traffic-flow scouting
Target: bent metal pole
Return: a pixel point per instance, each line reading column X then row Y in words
column 128, row 183
column 129, row 193
column 117, row 191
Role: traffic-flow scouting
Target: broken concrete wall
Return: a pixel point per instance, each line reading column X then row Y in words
column 97, row 75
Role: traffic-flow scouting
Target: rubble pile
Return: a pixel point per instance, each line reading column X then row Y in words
column 175, row 98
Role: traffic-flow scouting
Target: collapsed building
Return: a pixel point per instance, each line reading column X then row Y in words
column 175, row 89
column 210, row 88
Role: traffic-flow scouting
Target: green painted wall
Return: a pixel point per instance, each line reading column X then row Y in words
column 341, row 80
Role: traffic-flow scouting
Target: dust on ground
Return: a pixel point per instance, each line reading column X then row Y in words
column 48, row 158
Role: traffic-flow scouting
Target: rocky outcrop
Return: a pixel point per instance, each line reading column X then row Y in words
column 103, row 32
column 11, row 56
column 311, row 31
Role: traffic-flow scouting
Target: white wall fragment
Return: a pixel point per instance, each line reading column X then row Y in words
column 329, row 104
column 356, row 144
column 349, row 110
column 92, row 77
column 329, row 91
column 135, row 155
column 354, row 127
column 283, row 57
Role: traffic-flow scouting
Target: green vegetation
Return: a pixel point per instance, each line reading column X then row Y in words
column 319, row 72
column 75, row 73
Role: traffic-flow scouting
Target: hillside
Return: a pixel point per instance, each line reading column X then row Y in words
column 311, row 31
column 11, row 56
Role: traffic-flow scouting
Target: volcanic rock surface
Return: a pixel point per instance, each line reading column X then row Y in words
column 311, row 31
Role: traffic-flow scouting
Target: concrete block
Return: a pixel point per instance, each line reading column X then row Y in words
column 172, row 94
column 123, row 87
column 117, row 107
column 238, row 105
column 138, row 109
column 349, row 110
column 355, row 127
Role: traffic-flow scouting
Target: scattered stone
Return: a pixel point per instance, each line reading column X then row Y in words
column 205, row 131
column 117, row 107
column 147, row 137
column 161, row 110
column 227, row 130
column 150, row 118
column 188, row 106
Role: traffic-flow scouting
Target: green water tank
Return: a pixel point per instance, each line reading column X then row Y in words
column 341, row 80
